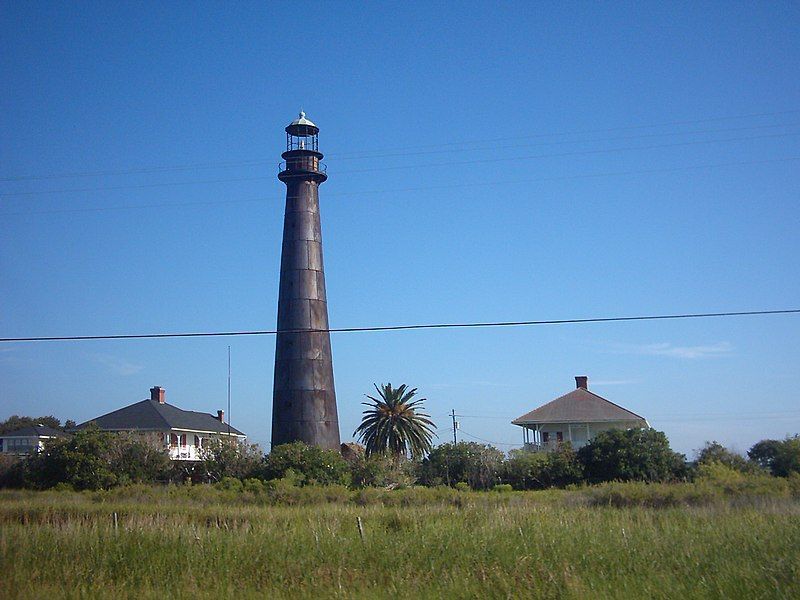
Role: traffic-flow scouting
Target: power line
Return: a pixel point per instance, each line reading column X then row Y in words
column 575, row 176
column 370, row 153
column 513, row 157
column 403, row 327
column 384, row 153
column 488, row 441
column 416, row 166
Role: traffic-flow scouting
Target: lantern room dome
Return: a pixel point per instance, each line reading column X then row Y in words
column 301, row 120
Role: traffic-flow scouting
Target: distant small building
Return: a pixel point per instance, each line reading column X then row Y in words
column 575, row 417
column 183, row 432
column 28, row 440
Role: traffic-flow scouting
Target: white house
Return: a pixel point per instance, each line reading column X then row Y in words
column 183, row 432
column 28, row 440
column 575, row 417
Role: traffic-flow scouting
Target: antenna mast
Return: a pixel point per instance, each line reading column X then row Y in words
column 229, row 392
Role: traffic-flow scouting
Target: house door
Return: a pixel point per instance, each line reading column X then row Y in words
column 559, row 436
column 545, row 437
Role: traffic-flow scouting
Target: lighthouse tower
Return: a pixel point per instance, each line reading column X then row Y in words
column 304, row 399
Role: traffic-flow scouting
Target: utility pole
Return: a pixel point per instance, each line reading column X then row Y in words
column 455, row 427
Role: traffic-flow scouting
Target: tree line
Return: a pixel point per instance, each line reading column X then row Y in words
column 93, row 459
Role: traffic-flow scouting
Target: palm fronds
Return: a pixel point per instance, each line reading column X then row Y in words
column 394, row 423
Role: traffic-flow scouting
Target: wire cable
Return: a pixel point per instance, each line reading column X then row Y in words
column 371, row 153
column 506, row 158
column 572, row 177
column 134, row 336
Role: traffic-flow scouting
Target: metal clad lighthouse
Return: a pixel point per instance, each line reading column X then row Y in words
column 304, row 399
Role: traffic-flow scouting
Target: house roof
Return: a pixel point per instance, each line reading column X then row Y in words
column 35, row 431
column 152, row 415
column 579, row 406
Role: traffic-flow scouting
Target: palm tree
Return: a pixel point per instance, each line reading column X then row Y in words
column 393, row 423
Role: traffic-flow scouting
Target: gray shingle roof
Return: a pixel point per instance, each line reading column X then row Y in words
column 579, row 406
column 152, row 416
column 35, row 431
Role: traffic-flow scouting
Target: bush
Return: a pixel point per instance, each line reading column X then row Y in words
column 12, row 471
column 526, row 470
column 315, row 465
column 227, row 458
column 714, row 452
column 476, row 464
column 787, row 457
column 764, row 452
column 82, row 461
column 379, row 470
column 780, row 457
column 139, row 460
column 631, row 455
column 230, row 484
column 502, row 488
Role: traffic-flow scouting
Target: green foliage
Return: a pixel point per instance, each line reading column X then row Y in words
column 394, row 424
column 502, row 487
column 462, row 486
column 253, row 486
column 230, row 484
column 17, row 422
column 526, row 470
column 83, row 461
column 13, row 471
column 781, row 457
column 315, row 465
column 632, row 454
column 763, row 453
column 378, row 470
column 476, row 464
column 787, row 458
column 227, row 458
column 90, row 460
column 714, row 452
column 139, row 460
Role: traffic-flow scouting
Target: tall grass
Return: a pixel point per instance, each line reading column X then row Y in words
column 202, row 543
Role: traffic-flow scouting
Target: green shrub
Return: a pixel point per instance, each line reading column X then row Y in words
column 230, row 484
column 253, row 486
column 462, row 486
column 379, row 470
column 714, row 452
column 787, row 457
column 631, row 455
column 526, row 470
column 315, row 465
column 228, row 458
column 502, row 488
column 478, row 465
column 733, row 482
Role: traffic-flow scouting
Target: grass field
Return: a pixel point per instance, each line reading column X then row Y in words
column 427, row 543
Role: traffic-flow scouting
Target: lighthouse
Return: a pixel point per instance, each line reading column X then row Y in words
column 304, row 399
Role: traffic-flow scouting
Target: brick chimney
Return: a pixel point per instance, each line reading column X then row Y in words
column 157, row 394
column 582, row 382
column 221, row 416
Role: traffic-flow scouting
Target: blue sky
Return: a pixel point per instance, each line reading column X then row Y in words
column 487, row 162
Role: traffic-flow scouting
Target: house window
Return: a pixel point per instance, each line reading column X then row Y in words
column 183, row 439
column 545, row 437
column 173, row 440
column 198, row 441
column 560, row 436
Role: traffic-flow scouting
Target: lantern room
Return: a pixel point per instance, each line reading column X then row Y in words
column 302, row 154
